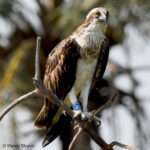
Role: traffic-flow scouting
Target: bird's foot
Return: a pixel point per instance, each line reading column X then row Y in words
column 87, row 116
column 77, row 113
column 80, row 115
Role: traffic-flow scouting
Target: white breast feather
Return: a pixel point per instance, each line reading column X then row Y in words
column 93, row 33
column 85, row 71
column 86, row 67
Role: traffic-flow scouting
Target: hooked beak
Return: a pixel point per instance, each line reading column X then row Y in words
column 104, row 17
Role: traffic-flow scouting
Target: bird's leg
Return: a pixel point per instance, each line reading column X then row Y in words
column 85, row 94
column 75, row 104
column 84, row 99
column 78, row 108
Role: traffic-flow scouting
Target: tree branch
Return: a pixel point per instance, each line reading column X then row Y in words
column 41, row 90
column 37, row 59
column 74, row 138
column 121, row 145
column 108, row 103
column 16, row 102
column 80, row 130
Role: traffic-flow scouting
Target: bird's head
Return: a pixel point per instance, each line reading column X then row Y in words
column 96, row 20
column 97, row 17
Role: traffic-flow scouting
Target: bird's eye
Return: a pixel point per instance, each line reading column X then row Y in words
column 96, row 14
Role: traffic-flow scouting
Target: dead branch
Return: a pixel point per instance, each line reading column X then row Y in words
column 96, row 112
column 37, row 59
column 41, row 90
column 121, row 145
column 75, row 138
column 32, row 93
column 108, row 103
column 16, row 102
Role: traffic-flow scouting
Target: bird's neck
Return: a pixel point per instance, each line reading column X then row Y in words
column 90, row 39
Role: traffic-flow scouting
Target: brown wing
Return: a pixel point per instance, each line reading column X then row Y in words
column 59, row 75
column 101, row 64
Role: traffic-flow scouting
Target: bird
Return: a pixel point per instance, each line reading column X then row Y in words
column 73, row 67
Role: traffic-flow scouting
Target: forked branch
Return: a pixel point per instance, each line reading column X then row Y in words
column 41, row 90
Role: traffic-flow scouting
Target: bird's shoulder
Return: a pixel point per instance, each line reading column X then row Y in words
column 63, row 51
column 101, row 63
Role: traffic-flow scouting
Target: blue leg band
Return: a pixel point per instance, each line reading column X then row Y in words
column 76, row 106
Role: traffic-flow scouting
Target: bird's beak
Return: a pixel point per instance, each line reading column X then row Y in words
column 104, row 17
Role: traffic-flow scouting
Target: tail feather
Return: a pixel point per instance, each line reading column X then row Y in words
column 56, row 130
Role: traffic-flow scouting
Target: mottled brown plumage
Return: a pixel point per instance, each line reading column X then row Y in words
column 101, row 64
column 59, row 77
column 71, row 67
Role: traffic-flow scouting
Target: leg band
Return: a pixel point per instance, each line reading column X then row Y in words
column 76, row 106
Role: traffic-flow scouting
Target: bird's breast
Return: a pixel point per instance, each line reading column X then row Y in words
column 85, row 71
column 90, row 43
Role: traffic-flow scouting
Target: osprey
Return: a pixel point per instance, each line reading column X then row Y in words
column 72, row 68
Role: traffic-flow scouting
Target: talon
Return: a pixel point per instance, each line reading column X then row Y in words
column 64, row 112
column 97, row 120
column 98, row 123
column 80, row 114
column 83, row 116
column 92, row 117
column 77, row 113
column 87, row 116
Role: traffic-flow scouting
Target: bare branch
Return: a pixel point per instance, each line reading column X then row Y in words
column 74, row 138
column 41, row 90
column 121, row 145
column 37, row 58
column 94, row 135
column 32, row 93
column 16, row 102
column 99, row 140
column 108, row 103
column 96, row 112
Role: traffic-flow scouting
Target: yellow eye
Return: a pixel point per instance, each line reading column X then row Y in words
column 96, row 14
